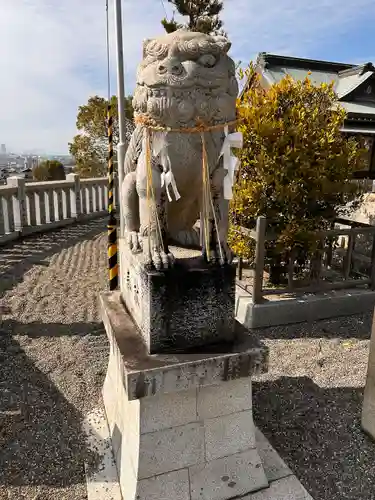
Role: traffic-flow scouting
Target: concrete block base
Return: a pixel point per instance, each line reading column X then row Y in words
column 181, row 425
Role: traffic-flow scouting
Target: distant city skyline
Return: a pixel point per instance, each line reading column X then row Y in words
column 30, row 152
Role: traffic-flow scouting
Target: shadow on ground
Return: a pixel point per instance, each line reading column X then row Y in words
column 357, row 326
column 317, row 432
column 17, row 257
column 41, row 442
column 38, row 329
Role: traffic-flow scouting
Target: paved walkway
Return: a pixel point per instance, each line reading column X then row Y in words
column 53, row 356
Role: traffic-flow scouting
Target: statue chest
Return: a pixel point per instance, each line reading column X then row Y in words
column 185, row 153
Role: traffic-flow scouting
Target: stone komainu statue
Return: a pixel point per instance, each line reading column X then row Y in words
column 184, row 78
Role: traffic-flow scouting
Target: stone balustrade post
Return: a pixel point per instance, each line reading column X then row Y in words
column 75, row 195
column 19, row 203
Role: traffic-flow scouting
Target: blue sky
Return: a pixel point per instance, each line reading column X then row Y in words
column 53, row 55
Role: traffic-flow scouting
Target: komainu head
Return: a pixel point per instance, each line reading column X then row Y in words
column 184, row 77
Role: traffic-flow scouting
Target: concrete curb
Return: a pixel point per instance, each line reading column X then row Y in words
column 305, row 308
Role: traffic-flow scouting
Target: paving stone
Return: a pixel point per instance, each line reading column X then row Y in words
column 227, row 477
column 287, row 488
column 102, row 482
column 171, row 449
column 228, row 397
column 171, row 486
column 274, row 466
column 229, row 434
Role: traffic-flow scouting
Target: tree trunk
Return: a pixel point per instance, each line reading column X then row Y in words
column 276, row 271
column 316, row 266
column 291, row 259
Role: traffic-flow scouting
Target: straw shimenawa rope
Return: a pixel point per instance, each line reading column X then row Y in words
column 201, row 126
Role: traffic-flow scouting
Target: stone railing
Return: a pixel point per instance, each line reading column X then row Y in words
column 29, row 207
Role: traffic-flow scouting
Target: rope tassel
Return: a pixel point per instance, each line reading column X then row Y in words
column 205, row 198
column 208, row 205
column 153, row 210
column 160, row 150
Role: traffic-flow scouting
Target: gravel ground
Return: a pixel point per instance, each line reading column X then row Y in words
column 309, row 405
column 53, row 355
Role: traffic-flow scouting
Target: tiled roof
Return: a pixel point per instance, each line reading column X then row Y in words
column 347, row 78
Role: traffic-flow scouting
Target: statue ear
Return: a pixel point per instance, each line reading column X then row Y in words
column 223, row 43
column 145, row 45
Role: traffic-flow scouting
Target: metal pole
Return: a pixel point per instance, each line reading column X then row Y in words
column 112, row 226
column 121, row 148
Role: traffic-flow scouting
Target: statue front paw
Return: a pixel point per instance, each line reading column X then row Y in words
column 161, row 259
column 134, row 241
column 157, row 257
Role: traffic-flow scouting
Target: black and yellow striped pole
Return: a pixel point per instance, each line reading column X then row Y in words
column 112, row 225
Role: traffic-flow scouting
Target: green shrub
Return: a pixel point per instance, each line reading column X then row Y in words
column 296, row 167
column 49, row 170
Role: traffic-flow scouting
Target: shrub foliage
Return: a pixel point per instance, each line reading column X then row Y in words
column 296, row 166
column 49, row 170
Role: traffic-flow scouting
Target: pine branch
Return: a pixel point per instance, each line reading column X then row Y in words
column 203, row 16
column 170, row 26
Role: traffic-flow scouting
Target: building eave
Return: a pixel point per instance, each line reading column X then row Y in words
column 266, row 58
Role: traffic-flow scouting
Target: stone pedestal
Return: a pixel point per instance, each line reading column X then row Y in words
column 368, row 409
column 181, row 424
column 189, row 306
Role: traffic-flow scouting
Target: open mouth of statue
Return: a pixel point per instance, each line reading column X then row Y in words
column 163, row 93
column 176, row 93
column 158, row 91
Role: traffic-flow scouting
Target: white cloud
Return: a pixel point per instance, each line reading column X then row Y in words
column 52, row 52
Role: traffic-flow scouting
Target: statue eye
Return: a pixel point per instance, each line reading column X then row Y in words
column 207, row 60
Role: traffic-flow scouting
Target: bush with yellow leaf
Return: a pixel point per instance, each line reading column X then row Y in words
column 296, row 167
column 49, row 170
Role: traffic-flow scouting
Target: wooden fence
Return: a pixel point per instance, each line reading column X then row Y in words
column 28, row 207
column 339, row 258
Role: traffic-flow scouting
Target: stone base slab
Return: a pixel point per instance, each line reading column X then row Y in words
column 300, row 309
column 145, row 374
column 181, row 425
